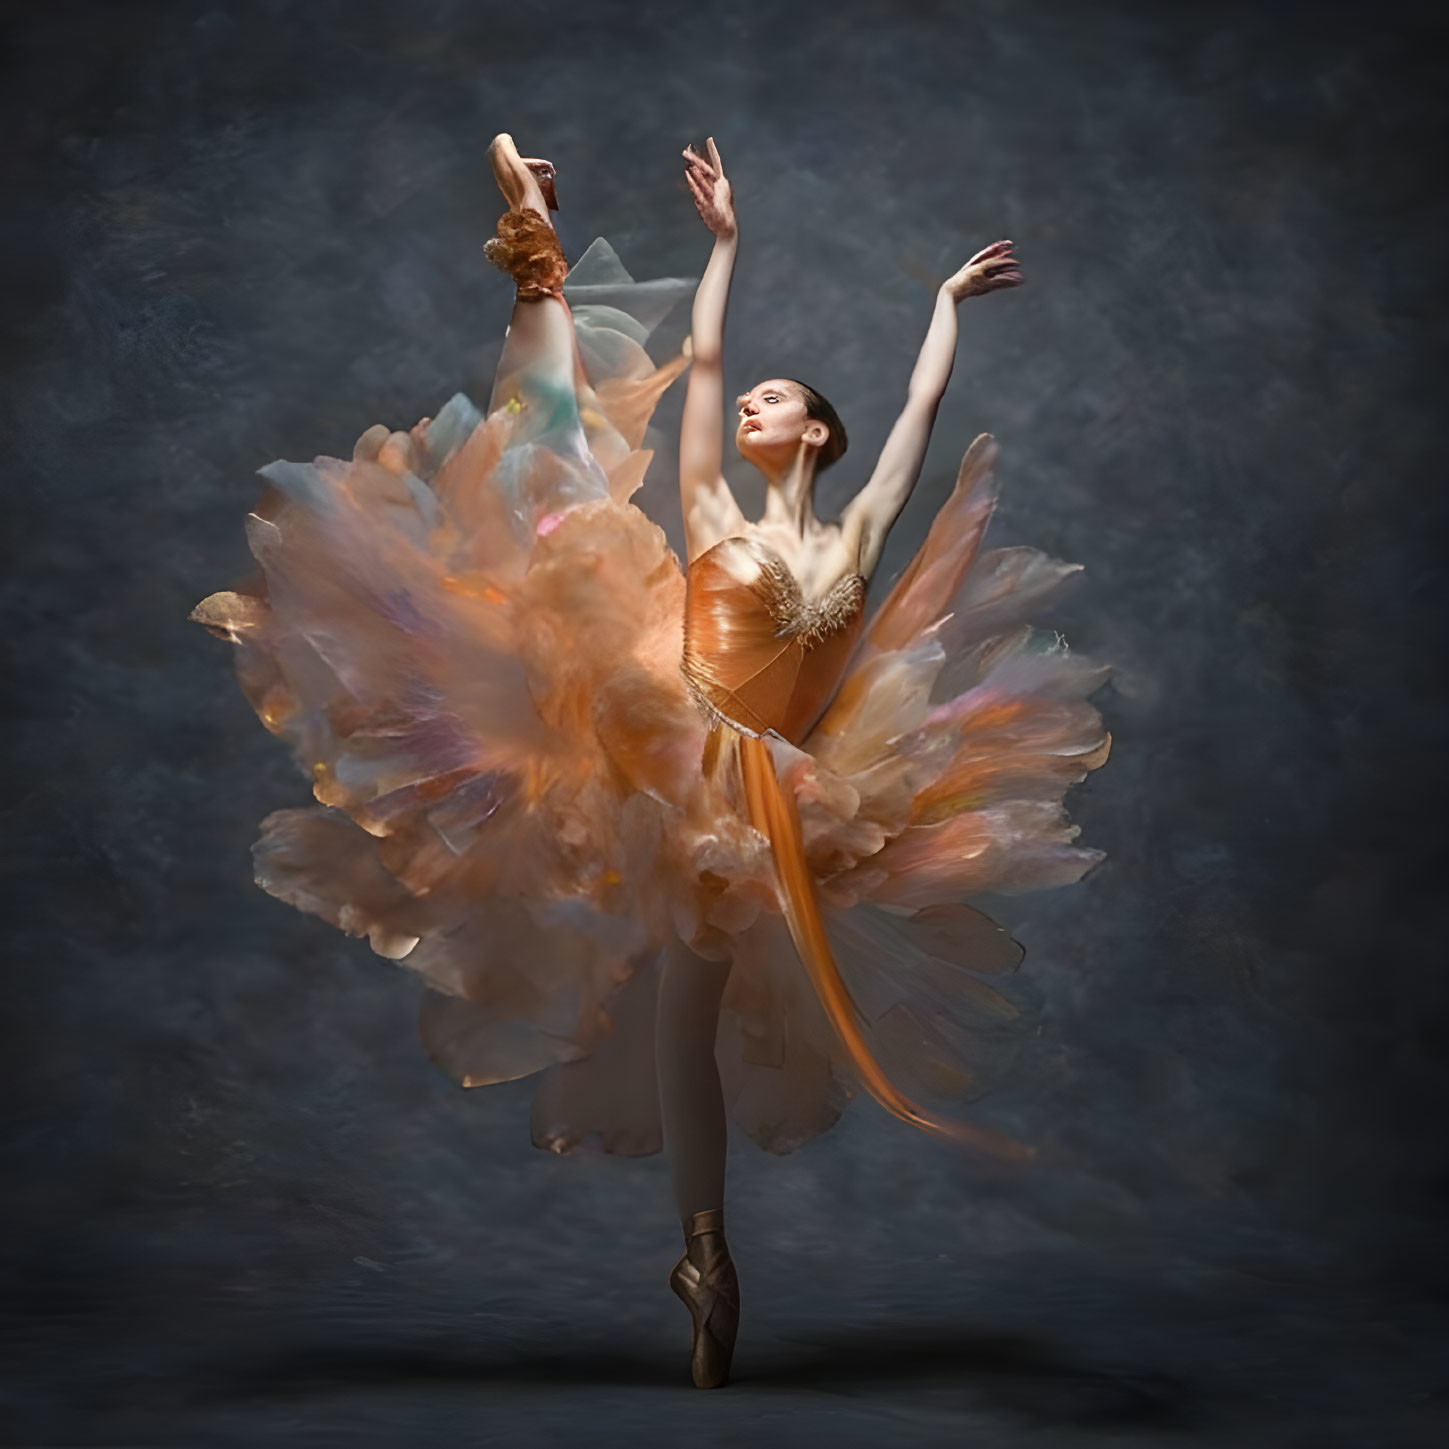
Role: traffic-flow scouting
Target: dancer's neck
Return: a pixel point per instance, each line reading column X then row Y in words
column 790, row 496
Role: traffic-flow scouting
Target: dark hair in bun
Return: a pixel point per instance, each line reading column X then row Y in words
column 818, row 408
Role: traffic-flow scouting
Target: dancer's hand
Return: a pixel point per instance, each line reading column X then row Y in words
column 711, row 190
column 989, row 270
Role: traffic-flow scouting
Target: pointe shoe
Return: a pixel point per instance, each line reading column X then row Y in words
column 544, row 174
column 705, row 1280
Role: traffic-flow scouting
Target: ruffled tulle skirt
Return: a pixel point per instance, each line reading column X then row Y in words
column 471, row 640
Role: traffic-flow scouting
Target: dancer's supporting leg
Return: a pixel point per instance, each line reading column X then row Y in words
column 691, row 1104
column 691, row 1108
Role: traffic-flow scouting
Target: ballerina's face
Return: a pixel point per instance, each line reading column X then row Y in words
column 773, row 423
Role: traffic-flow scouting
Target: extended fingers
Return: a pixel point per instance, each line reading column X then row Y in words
column 997, row 267
column 714, row 156
column 697, row 163
column 991, row 269
column 1006, row 275
column 996, row 249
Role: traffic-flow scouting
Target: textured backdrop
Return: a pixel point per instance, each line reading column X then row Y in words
column 242, row 1207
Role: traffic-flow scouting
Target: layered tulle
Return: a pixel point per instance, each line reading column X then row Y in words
column 472, row 640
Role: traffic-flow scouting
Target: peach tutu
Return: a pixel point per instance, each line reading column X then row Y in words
column 472, row 641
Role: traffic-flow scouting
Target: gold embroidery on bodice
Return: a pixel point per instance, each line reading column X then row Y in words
column 757, row 654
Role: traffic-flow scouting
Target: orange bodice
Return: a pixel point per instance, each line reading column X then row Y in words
column 759, row 657
column 757, row 654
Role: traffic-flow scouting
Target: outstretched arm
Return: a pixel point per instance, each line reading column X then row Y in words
column 710, row 510
column 870, row 514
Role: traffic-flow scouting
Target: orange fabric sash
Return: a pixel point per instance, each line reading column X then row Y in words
column 773, row 813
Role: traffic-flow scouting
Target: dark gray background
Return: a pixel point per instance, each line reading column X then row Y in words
column 242, row 1207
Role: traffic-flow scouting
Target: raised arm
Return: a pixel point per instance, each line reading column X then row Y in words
column 710, row 510
column 870, row 514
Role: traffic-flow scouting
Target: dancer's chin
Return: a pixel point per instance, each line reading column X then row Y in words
column 752, row 446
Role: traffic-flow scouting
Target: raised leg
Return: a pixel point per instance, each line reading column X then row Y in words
column 519, row 183
column 539, row 356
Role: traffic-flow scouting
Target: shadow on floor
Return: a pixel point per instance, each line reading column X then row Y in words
column 988, row 1371
column 949, row 1368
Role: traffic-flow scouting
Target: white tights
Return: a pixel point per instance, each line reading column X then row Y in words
column 691, row 1103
